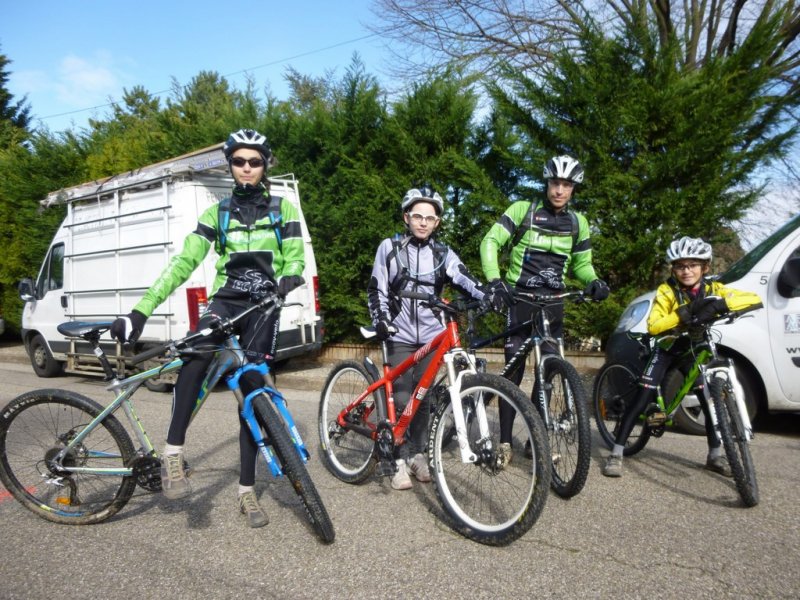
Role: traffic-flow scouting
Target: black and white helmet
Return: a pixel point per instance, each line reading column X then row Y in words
column 564, row 167
column 247, row 138
column 688, row 247
column 424, row 193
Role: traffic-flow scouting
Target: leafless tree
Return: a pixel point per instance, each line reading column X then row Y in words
column 478, row 34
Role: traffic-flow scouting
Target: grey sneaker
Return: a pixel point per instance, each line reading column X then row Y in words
column 401, row 480
column 613, row 466
column 719, row 464
column 248, row 505
column 174, row 483
column 419, row 468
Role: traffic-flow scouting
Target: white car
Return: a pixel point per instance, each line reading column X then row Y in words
column 765, row 346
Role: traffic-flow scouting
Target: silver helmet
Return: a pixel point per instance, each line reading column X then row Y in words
column 425, row 193
column 688, row 247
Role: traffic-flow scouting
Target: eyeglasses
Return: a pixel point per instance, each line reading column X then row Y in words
column 418, row 218
column 686, row 266
column 238, row 161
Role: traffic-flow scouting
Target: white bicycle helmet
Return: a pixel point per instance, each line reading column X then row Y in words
column 688, row 247
column 425, row 193
column 247, row 138
column 564, row 167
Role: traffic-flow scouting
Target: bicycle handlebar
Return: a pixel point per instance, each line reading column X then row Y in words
column 434, row 301
column 269, row 304
column 539, row 298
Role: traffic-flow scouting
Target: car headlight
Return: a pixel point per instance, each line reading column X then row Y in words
column 633, row 315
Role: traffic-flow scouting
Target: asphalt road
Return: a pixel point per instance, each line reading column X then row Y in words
column 667, row 529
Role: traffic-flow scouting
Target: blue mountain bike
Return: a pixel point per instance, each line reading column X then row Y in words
column 70, row 460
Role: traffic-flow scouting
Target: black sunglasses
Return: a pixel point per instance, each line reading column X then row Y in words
column 238, row 161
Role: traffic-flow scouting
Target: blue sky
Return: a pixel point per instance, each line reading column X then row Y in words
column 72, row 56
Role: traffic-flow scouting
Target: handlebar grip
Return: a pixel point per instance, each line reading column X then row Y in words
column 151, row 353
column 416, row 295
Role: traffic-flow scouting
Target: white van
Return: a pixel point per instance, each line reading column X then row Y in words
column 117, row 237
column 765, row 346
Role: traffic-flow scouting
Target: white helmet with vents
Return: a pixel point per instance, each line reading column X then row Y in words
column 688, row 247
column 425, row 193
column 564, row 167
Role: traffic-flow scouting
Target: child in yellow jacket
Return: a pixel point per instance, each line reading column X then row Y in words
column 685, row 299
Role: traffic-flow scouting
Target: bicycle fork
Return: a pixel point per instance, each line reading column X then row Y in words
column 728, row 373
column 454, row 390
column 248, row 414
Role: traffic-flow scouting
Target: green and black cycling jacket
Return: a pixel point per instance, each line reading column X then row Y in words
column 546, row 250
column 255, row 258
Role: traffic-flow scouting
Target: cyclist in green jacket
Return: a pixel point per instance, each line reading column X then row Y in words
column 260, row 246
column 546, row 240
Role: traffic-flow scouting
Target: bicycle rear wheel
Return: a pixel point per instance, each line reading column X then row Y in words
column 34, row 427
column 294, row 467
column 615, row 387
column 734, row 438
column 567, row 426
column 491, row 501
column 347, row 453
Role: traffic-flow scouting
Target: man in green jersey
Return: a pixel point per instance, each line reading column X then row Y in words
column 546, row 239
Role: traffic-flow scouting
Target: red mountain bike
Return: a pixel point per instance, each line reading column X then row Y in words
column 490, row 500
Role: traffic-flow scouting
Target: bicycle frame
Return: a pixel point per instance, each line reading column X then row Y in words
column 708, row 364
column 534, row 342
column 229, row 359
column 446, row 347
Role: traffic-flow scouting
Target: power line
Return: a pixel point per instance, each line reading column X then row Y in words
column 265, row 65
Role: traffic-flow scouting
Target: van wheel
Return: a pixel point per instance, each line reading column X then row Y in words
column 161, row 387
column 44, row 365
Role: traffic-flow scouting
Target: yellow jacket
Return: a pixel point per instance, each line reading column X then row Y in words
column 664, row 313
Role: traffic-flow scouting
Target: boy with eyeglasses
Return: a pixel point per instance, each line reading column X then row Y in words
column 687, row 298
column 260, row 246
column 414, row 261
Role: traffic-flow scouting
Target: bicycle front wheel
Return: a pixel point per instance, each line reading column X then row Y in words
column 294, row 467
column 348, row 453
column 615, row 388
column 499, row 497
column 567, row 424
column 34, row 428
column 734, row 438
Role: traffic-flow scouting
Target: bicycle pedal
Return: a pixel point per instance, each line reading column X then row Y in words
column 657, row 419
column 386, row 468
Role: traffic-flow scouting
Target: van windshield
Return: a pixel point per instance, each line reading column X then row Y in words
column 742, row 266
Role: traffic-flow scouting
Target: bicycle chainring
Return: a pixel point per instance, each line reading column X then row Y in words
column 147, row 471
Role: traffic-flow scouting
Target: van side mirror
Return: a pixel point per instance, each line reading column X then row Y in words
column 789, row 276
column 26, row 290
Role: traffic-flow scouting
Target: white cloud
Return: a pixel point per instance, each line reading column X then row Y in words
column 83, row 83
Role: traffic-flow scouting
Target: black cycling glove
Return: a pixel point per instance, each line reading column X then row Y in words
column 128, row 328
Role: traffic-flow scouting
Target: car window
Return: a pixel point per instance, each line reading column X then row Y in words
column 743, row 266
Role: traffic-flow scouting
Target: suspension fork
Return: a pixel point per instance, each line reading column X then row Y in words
column 728, row 372
column 454, row 389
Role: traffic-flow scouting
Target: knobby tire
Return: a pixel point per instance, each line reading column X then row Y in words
column 568, row 429
column 347, row 454
column 734, row 438
column 615, row 388
column 294, row 467
column 486, row 502
column 33, row 428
